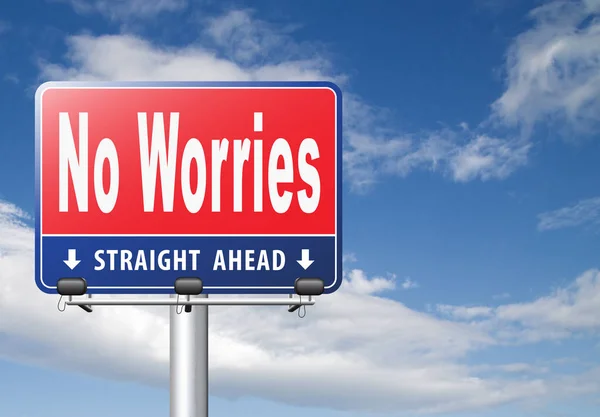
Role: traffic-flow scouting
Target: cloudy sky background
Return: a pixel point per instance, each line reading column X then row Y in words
column 472, row 210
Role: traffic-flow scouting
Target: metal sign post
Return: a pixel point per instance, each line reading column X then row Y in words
column 188, row 333
column 189, row 361
column 188, row 189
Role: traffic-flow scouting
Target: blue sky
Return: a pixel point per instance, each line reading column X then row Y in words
column 471, row 209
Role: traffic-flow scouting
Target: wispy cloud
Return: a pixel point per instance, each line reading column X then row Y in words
column 489, row 158
column 567, row 309
column 11, row 78
column 463, row 312
column 361, row 284
column 408, row 284
column 514, row 368
column 238, row 46
column 349, row 258
column 584, row 212
column 565, row 312
column 248, row 40
column 502, row 296
column 121, row 10
column 553, row 70
column 462, row 157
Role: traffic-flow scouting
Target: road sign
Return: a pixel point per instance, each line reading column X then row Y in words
column 139, row 184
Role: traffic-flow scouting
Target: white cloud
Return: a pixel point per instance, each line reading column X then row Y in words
column 359, row 283
column 583, row 212
column 408, row 283
column 570, row 309
column 487, row 158
column 248, row 40
column 553, row 69
column 127, row 57
column 565, row 312
column 369, row 155
column 464, row 313
column 240, row 38
column 120, row 10
column 404, row 359
column 349, row 258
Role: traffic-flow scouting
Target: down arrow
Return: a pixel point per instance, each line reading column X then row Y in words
column 305, row 260
column 72, row 261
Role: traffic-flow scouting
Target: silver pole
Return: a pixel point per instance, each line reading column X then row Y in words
column 189, row 360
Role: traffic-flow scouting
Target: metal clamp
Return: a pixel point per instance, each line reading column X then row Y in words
column 306, row 286
column 72, row 287
column 188, row 286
